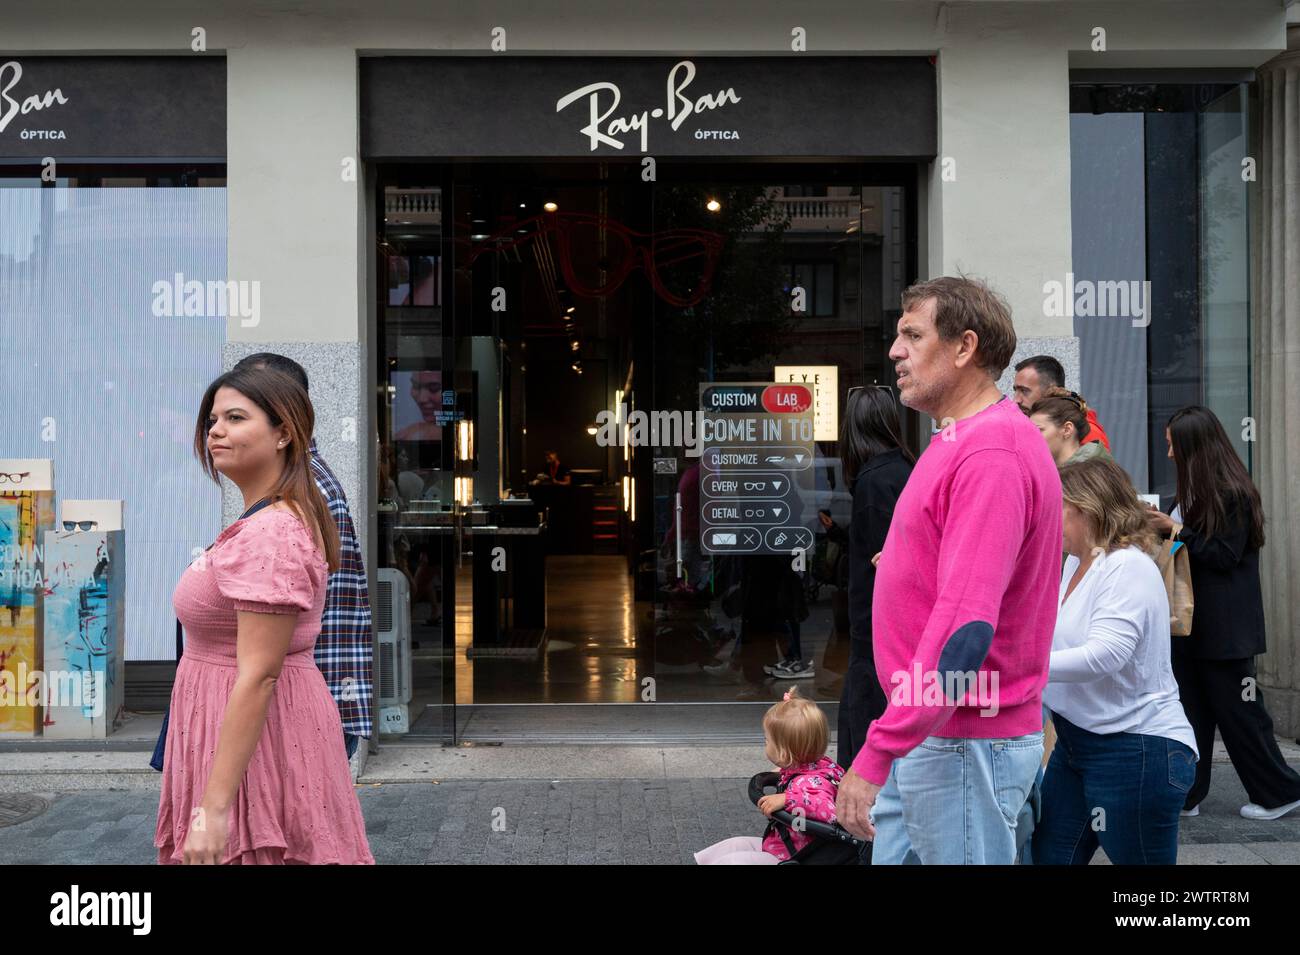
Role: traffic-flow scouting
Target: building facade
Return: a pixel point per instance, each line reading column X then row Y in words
column 488, row 233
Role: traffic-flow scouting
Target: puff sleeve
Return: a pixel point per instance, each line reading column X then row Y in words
column 271, row 565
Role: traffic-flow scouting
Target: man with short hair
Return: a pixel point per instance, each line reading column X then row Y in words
column 1034, row 376
column 345, row 647
column 970, row 572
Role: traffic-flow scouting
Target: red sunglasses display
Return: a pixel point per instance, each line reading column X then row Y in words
column 678, row 262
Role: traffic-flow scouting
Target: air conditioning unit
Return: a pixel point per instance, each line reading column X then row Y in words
column 393, row 624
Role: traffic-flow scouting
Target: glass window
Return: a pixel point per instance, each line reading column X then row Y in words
column 1159, row 207
column 107, row 351
column 576, row 302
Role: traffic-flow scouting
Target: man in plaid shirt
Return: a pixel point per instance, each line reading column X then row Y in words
column 345, row 648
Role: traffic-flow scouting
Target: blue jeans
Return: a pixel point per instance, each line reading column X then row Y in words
column 1121, row 791
column 955, row 801
column 1027, row 821
column 350, row 743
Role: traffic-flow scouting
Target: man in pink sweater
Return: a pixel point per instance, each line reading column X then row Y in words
column 965, row 597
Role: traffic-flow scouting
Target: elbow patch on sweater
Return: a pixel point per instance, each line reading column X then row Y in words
column 965, row 652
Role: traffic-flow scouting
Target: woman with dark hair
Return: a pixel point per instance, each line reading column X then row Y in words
column 876, row 465
column 1062, row 418
column 255, row 767
column 1219, row 518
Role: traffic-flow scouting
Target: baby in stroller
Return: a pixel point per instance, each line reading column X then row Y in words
column 801, row 810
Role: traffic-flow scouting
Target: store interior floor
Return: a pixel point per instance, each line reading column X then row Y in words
column 601, row 647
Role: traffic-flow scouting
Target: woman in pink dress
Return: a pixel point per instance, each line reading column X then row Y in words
column 255, row 770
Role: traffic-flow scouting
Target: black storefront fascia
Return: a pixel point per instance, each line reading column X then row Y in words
column 111, row 109
column 860, row 108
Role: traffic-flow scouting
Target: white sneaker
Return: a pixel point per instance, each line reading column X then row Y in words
column 773, row 668
column 1194, row 811
column 1255, row 811
column 796, row 670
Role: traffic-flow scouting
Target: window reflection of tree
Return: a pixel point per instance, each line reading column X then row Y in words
column 745, row 318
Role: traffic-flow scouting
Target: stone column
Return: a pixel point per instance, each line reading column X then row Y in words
column 1275, row 330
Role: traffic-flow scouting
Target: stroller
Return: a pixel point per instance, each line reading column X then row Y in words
column 831, row 843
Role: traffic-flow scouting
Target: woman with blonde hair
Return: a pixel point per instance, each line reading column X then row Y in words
column 1125, row 755
column 255, row 770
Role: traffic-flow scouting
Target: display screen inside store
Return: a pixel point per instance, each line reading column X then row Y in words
column 756, row 468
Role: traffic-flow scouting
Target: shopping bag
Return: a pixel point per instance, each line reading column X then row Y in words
column 1176, row 570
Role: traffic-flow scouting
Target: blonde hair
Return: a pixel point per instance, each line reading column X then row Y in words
column 798, row 730
column 1104, row 494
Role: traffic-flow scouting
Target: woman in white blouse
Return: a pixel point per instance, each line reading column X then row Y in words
column 1125, row 755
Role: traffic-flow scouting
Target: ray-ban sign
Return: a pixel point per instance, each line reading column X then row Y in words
column 11, row 73
column 86, row 108
column 603, row 98
column 629, row 107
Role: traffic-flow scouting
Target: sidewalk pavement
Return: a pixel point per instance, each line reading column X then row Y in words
column 516, row 804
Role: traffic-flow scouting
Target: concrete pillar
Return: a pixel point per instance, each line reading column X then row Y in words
column 295, row 214
column 1275, row 320
column 999, row 193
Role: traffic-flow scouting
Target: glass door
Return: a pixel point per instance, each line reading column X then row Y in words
column 781, row 287
column 549, row 406
column 422, row 401
column 549, row 328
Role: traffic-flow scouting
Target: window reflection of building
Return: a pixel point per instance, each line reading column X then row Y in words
column 1158, row 196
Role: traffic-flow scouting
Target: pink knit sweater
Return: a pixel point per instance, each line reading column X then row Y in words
column 966, row 591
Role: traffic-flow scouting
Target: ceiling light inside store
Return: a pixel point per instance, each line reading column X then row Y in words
column 550, row 207
column 713, row 205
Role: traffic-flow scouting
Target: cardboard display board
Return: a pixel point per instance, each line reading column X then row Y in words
column 25, row 517
column 84, row 632
column 106, row 515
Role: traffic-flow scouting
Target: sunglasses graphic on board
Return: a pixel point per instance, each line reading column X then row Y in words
column 678, row 262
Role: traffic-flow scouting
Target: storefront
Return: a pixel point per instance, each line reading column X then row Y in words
column 487, row 241
column 112, row 211
column 623, row 232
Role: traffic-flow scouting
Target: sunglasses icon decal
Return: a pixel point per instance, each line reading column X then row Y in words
column 80, row 525
column 678, row 262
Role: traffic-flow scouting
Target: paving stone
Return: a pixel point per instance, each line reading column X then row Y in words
column 627, row 821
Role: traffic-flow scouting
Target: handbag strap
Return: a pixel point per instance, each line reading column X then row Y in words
column 264, row 502
column 180, row 639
